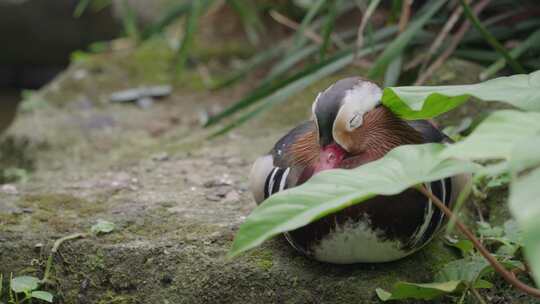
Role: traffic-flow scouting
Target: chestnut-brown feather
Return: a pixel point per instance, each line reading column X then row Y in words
column 305, row 149
column 380, row 132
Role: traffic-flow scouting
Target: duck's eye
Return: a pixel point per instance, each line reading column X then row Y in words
column 356, row 121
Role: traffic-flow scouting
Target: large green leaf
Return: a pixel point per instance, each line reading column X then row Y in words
column 525, row 206
column 526, row 153
column 496, row 136
column 422, row 102
column 334, row 190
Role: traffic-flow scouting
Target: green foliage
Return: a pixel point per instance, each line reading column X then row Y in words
column 28, row 287
column 456, row 276
column 422, row 102
column 427, row 291
column 24, row 284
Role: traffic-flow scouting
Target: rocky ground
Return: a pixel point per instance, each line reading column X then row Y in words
column 176, row 198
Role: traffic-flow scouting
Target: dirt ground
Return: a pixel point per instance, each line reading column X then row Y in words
column 176, row 199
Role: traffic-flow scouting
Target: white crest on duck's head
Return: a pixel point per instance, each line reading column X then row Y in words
column 359, row 100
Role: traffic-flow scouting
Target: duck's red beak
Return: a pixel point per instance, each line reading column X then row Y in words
column 330, row 157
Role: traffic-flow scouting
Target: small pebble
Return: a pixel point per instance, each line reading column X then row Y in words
column 145, row 102
column 160, row 157
column 9, row 189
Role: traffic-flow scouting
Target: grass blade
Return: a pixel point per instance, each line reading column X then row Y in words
column 490, row 38
column 289, row 61
column 532, row 41
column 393, row 72
column 80, row 8
column 172, row 14
column 365, row 18
column 187, row 40
column 328, row 28
column 282, row 67
column 298, row 82
column 250, row 18
column 300, row 37
column 129, row 21
column 250, row 65
column 477, row 55
column 400, row 43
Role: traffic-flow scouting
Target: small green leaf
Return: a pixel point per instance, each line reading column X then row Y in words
column 483, row 284
column 465, row 246
column 24, row 284
column 486, row 230
column 42, row 295
column 467, row 270
column 422, row 102
column 103, row 226
column 512, row 232
column 333, row 190
column 499, row 180
column 433, row 105
column 426, row 291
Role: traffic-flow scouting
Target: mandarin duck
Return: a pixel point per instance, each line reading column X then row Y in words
column 350, row 127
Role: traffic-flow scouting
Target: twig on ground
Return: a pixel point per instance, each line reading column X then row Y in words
column 54, row 250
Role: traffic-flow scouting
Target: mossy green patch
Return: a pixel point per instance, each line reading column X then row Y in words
column 55, row 202
column 8, row 219
column 262, row 258
column 96, row 262
column 57, row 211
column 110, row 297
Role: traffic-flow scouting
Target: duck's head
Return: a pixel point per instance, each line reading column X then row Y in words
column 349, row 119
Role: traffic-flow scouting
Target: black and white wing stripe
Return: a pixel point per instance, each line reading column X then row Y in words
column 433, row 216
column 276, row 181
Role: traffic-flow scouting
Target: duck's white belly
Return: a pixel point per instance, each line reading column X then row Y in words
column 357, row 243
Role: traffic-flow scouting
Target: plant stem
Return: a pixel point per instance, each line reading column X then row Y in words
column 477, row 295
column 507, row 275
column 491, row 39
column 54, row 249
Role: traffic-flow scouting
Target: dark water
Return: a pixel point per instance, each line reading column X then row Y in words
column 9, row 100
